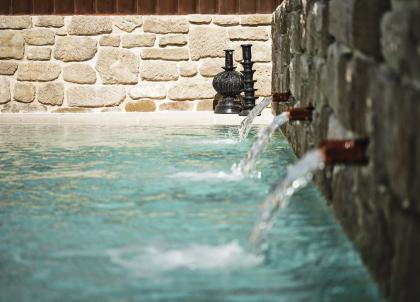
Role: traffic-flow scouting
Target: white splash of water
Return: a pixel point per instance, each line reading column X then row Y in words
column 151, row 261
column 247, row 122
column 297, row 177
column 247, row 164
column 209, row 176
column 225, row 141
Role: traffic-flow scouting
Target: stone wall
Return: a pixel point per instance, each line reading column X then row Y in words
column 123, row 63
column 358, row 63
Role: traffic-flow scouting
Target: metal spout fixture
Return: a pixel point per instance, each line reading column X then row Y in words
column 281, row 97
column 347, row 151
column 301, row 114
column 229, row 84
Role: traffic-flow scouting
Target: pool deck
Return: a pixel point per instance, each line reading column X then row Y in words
column 138, row 118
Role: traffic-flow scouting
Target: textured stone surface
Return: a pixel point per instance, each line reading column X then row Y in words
column 90, row 25
column 317, row 37
column 17, row 107
column 140, row 106
column 74, row 49
column 95, row 96
column 15, row 22
column 208, row 42
column 128, row 23
column 261, row 51
column 12, row 45
column 211, row 67
column 51, row 94
column 4, row 90
column 148, row 90
column 118, row 66
column 8, row 68
column 170, row 54
column 24, row 92
column 38, row 53
column 262, row 19
column 38, row 71
column 205, row 105
column 49, row 21
column 187, row 69
column 142, row 40
column 165, row 24
column 71, row 110
column 158, row 71
column 226, row 20
column 79, row 73
column 252, row 33
column 110, row 40
column 192, row 90
column 174, row 40
column 39, row 36
column 199, row 19
column 263, row 76
column 176, row 106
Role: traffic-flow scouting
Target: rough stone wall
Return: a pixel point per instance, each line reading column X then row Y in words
column 123, row 63
column 358, row 63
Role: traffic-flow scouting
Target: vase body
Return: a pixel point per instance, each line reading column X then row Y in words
column 229, row 84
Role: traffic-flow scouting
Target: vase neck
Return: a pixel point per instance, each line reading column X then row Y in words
column 229, row 59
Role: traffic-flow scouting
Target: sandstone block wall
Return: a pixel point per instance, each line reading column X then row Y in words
column 358, row 63
column 123, row 63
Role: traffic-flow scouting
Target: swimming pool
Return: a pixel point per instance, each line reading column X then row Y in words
column 149, row 213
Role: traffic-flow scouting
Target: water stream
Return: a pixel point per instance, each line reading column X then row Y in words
column 247, row 122
column 297, row 177
column 246, row 165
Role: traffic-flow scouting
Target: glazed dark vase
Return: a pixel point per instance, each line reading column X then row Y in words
column 248, row 76
column 229, row 84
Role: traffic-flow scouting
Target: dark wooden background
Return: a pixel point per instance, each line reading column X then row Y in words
column 141, row 7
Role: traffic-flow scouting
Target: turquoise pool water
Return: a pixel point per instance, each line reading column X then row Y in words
column 126, row 213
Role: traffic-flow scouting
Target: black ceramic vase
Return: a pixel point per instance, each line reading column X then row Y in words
column 249, row 90
column 229, row 84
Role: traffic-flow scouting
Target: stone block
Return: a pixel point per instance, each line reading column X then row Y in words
column 174, row 40
column 128, row 23
column 148, row 90
column 251, row 33
column 356, row 23
column 261, row 51
column 294, row 32
column 79, row 73
column 279, row 26
column 263, row 76
column 95, row 96
column 229, row 20
column 211, row 67
column 17, row 107
column 90, row 25
column 4, row 90
column 71, row 110
column 38, row 53
column 200, row 19
column 176, row 106
column 317, row 35
column 187, row 69
column 24, row 92
column 141, row 40
column 8, row 68
column 38, row 71
column 12, row 45
column 192, row 90
column 51, row 94
column 169, row 54
column 205, row 105
column 39, row 36
column 118, row 66
column 158, row 71
column 401, row 41
column 140, row 106
column 110, row 40
column 49, row 21
column 15, row 22
column 75, row 49
column 257, row 19
column 166, row 24
column 208, row 42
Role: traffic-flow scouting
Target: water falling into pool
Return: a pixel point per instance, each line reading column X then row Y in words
column 247, row 165
column 297, row 177
column 247, row 122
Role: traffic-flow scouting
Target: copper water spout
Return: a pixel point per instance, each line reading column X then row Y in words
column 301, row 114
column 346, row 151
column 281, row 97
